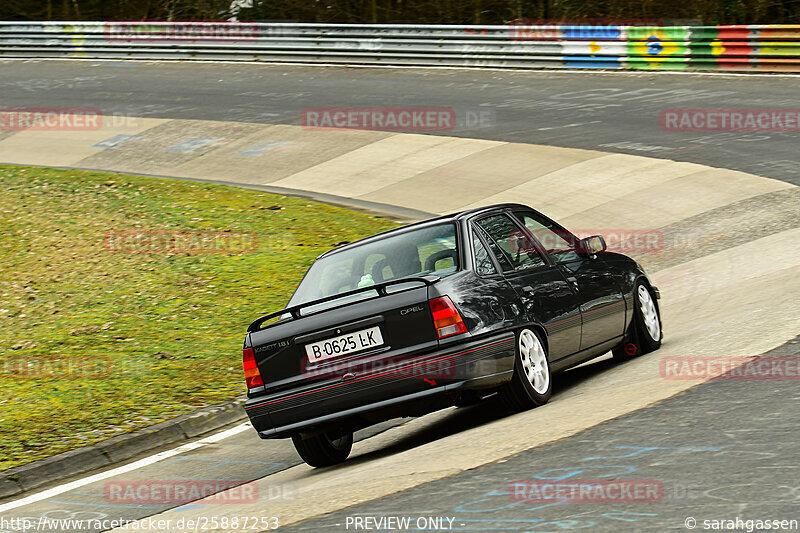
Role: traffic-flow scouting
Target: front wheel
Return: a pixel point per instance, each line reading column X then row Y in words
column 324, row 449
column 531, row 385
column 645, row 330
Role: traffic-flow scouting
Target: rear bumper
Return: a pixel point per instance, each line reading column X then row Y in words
column 412, row 384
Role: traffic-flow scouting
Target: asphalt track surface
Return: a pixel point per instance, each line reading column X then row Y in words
column 683, row 447
column 725, row 447
column 234, row 464
column 611, row 112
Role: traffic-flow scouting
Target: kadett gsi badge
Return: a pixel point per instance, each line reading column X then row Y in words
column 435, row 314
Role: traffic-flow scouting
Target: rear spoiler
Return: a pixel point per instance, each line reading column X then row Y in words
column 294, row 311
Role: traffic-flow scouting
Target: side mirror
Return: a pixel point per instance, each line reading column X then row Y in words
column 593, row 245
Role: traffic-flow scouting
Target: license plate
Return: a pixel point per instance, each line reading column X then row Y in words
column 344, row 344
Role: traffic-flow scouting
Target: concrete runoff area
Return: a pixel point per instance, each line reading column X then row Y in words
column 621, row 112
column 731, row 296
column 435, row 174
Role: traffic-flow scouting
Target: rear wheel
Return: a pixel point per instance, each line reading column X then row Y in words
column 531, row 384
column 324, row 449
column 645, row 331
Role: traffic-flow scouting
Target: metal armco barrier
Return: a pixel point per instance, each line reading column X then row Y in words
column 773, row 48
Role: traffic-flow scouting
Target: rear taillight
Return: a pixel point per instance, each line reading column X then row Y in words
column 251, row 374
column 446, row 319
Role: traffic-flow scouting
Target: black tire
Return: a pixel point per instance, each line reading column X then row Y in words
column 519, row 394
column 322, row 450
column 639, row 339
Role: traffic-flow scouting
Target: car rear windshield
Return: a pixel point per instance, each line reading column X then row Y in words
column 429, row 250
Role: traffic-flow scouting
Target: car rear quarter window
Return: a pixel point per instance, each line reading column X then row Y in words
column 483, row 261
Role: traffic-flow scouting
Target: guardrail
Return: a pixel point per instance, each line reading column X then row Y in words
column 774, row 48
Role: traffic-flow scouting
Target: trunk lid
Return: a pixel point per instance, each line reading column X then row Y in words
column 350, row 335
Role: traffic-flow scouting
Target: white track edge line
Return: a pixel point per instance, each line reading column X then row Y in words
column 160, row 456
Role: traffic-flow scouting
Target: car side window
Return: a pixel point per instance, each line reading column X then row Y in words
column 483, row 262
column 495, row 251
column 338, row 279
column 378, row 266
column 556, row 241
column 438, row 256
column 512, row 242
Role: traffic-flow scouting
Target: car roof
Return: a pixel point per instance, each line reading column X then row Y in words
column 453, row 217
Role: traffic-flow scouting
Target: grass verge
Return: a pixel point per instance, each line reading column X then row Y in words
column 124, row 300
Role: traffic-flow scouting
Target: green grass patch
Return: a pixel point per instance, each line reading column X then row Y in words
column 95, row 340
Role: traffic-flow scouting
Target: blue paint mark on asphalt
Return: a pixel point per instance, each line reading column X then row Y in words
column 116, row 141
column 262, row 147
column 642, row 449
column 499, row 500
column 190, row 145
column 569, row 472
column 618, row 515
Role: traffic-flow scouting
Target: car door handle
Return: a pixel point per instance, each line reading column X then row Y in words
column 527, row 289
column 573, row 280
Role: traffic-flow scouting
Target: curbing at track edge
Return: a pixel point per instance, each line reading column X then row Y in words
column 106, row 453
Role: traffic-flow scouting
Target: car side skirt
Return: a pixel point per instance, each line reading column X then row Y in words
column 584, row 355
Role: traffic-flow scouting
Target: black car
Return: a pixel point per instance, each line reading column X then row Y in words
column 436, row 314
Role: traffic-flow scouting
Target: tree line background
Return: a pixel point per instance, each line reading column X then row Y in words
column 708, row 12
